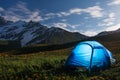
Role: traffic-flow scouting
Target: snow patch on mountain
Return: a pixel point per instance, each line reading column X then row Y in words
column 27, row 36
column 29, row 33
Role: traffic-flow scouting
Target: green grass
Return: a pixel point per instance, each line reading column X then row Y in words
column 49, row 65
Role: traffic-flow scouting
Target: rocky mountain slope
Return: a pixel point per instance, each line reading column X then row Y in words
column 30, row 33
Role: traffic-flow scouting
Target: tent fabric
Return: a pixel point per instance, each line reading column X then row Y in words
column 91, row 55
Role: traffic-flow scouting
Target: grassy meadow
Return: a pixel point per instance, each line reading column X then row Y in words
column 49, row 65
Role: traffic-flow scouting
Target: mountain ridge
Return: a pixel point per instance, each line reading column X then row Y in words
column 108, row 32
column 30, row 33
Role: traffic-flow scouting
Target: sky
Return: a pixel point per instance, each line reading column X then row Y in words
column 88, row 17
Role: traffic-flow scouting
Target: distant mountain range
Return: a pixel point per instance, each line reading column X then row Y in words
column 37, row 37
column 108, row 36
column 108, row 32
column 30, row 33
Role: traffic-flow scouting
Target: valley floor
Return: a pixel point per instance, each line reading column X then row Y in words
column 49, row 65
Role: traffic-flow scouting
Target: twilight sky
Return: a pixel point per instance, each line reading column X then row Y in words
column 88, row 17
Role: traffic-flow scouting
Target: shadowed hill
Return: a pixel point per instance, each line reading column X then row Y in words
column 111, row 40
column 9, row 45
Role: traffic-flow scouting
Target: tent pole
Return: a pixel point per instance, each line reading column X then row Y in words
column 91, row 56
column 91, row 59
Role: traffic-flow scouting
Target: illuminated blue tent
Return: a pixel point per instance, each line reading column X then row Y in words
column 90, row 55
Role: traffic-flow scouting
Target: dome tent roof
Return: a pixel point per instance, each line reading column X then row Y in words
column 90, row 54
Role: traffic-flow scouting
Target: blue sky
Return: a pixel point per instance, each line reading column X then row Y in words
column 88, row 17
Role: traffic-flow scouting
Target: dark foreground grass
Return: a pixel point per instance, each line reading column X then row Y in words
column 49, row 66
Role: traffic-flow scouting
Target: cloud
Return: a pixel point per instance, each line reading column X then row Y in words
column 75, row 30
column 109, row 20
column 63, row 20
column 63, row 14
column 50, row 15
column 112, row 28
column 1, row 9
column 89, row 33
column 21, row 12
column 114, row 2
column 61, row 25
column 34, row 16
column 65, row 25
column 75, row 11
column 73, row 26
column 112, row 15
column 94, row 12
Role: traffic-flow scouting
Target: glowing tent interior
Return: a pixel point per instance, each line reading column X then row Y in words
column 91, row 55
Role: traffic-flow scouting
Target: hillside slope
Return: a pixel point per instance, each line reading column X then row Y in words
column 30, row 33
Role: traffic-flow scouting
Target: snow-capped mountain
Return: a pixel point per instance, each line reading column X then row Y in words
column 30, row 33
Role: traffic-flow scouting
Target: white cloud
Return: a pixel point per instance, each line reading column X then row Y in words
column 114, row 2
column 1, row 9
column 20, row 7
column 64, row 14
column 61, row 25
column 12, row 18
column 65, row 26
column 95, row 11
column 109, row 20
column 74, row 29
column 112, row 28
column 50, row 14
column 89, row 33
column 73, row 26
column 75, row 11
column 34, row 16
column 112, row 15
column 21, row 12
